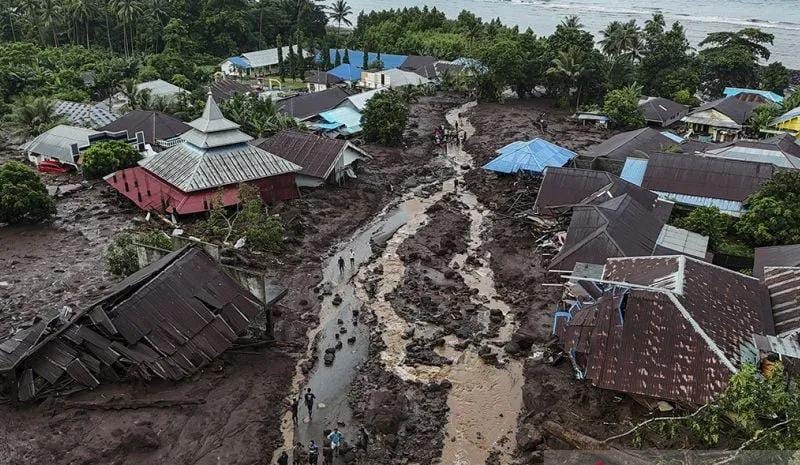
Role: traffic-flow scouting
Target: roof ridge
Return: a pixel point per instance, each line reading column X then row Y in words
column 699, row 329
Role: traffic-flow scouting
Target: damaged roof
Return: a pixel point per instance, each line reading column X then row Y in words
column 779, row 255
column 167, row 320
column 783, row 284
column 620, row 227
column 155, row 125
column 674, row 328
column 564, row 187
column 317, row 155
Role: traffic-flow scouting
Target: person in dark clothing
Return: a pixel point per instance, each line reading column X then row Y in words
column 363, row 439
column 283, row 459
column 309, row 397
column 295, row 408
column 313, row 453
column 341, row 264
column 327, row 452
column 298, row 454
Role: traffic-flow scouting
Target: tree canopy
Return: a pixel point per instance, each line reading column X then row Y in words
column 773, row 213
column 384, row 118
column 23, row 196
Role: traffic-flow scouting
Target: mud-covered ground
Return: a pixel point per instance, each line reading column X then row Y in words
column 236, row 403
column 550, row 392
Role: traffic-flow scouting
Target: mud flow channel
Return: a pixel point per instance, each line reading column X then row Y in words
column 485, row 399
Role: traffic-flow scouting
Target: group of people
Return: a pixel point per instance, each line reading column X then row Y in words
column 332, row 444
column 352, row 261
column 444, row 135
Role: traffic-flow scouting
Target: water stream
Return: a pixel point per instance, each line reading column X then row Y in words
column 485, row 399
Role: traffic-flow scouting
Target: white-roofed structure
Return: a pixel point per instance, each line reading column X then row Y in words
column 683, row 241
column 60, row 143
column 392, row 78
column 160, row 88
column 259, row 62
column 84, row 114
column 359, row 101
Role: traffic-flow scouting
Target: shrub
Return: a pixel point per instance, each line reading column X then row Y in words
column 622, row 106
column 107, row 157
column 23, row 196
column 263, row 233
column 385, row 118
column 120, row 255
column 773, row 214
column 708, row 221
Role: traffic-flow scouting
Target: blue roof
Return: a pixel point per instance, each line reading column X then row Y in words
column 633, row 171
column 772, row 96
column 533, row 156
column 357, row 58
column 346, row 72
column 344, row 116
column 678, row 139
column 240, row 62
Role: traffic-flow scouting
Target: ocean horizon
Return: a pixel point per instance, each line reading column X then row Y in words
column 778, row 17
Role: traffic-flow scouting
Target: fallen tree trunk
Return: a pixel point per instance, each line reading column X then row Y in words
column 575, row 439
column 129, row 405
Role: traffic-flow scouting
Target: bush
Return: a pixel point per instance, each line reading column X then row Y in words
column 622, row 106
column 263, row 233
column 107, row 157
column 23, row 196
column 684, row 97
column 120, row 255
column 708, row 221
column 773, row 213
column 385, row 118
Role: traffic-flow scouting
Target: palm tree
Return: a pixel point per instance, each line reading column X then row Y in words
column 32, row 116
column 570, row 66
column 131, row 94
column 572, row 22
column 80, row 11
column 622, row 40
column 339, row 12
column 127, row 11
column 50, row 12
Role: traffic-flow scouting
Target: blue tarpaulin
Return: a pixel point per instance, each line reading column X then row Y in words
column 634, row 170
column 533, row 156
column 346, row 72
column 240, row 62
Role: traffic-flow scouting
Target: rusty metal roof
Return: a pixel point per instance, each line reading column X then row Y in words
column 704, row 176
column 565, row 187
column 779, row 255
column 317, row 155
column 783, row 284
column 678, row 333
column 167, row 320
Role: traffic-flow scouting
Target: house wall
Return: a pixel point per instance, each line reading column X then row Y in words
column 316, row 87
column 793, row 126
column 277, row 188
column 308, row 181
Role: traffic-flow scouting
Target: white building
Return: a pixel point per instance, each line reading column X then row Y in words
column 258, row 63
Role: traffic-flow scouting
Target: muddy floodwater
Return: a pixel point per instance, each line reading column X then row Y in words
column 485, row 399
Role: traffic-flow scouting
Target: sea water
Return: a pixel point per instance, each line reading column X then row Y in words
column 699, row 17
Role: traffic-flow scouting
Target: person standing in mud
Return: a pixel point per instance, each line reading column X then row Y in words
column 352, row 259
column 283, row 459
column 309, row 397
column 295, row 408
column 336, row 439
column 313, row 453
column 363, row 439
column 298, row 454
column 341, row 264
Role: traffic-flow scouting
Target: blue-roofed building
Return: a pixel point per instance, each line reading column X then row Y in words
column 533, row 156
column 343, row 120
column 765, row 94
column 357, row 58
column 346, row 72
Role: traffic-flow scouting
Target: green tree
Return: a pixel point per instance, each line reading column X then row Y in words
column 120, row 256
column 774, row 77
column 731, row 58
column 107, row 157
column 708, row 221
column 23, row 196
column 761, row 118
column 339, row 11
column 684, row 97
column 773, row 213
column 281, row 64
column 622, row 106
column 31, row 116
column 570, row 65
column 384, row 118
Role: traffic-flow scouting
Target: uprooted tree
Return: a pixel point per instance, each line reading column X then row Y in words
column 120, row 255
column 261, row 231
column 23, row 196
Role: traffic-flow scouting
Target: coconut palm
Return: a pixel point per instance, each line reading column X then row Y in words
column 572, row 22
column 49, row 15
column 571, row 67
column 622, row 40
column 339, row 12
column 32, row 116
column 127, row 11
column 80, row 11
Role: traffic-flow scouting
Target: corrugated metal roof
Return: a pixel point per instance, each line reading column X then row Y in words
column 704, row 176
column 160, row 88
column 662, row 111
column 683, row 241
column 155, row 125
column 84, row 114
column 780, row 255
column 57, row 142
column 638, row 143
column 399, row 78
column 305, row 106
column 730, row 207
column 268, row 57
column 240, row 62
column 346, row 72
column 224, row 89
column 789, row 115
column 360, row 100
column 317, row 155
column 680, row 344
column 783, row 284
column 781, row 151
column 533, row 156
column 562, row 187
column 357, row 57
column 736, row 109
column 347, row 117
column 620, row 227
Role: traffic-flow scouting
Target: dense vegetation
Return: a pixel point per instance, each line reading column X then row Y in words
column 120, row 256
column 106, row 157
column 385, row 118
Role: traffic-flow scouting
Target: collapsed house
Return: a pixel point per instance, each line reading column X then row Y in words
column 781, row 150
column 533, row 156
column 667, row 327
column 166, row 321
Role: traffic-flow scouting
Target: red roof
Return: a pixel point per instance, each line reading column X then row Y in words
column 150, row 192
